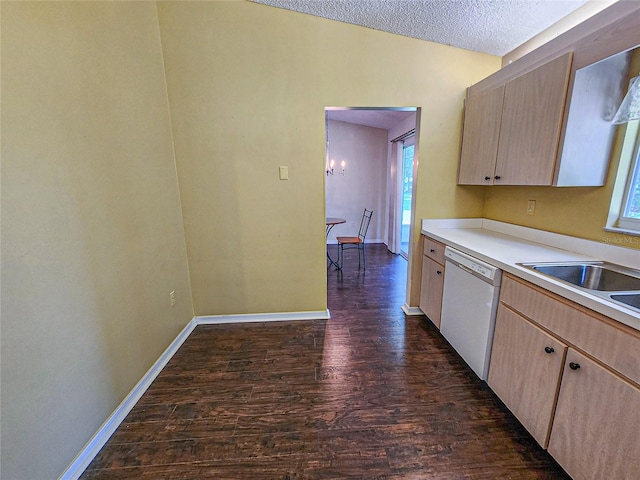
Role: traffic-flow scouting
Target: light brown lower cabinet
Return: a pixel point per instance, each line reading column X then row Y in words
column 526, row 364
column 432, row 281
column 596, row 429
column 571, row 376
column 431, row 289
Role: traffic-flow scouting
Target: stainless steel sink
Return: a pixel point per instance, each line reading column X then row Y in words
column 631, row 299
column 612, row 282
column 601, row 277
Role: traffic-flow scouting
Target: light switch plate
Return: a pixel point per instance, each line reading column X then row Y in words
column 531, row 207
column 284, row 173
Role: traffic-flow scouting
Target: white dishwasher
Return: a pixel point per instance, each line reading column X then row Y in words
column 469, row 304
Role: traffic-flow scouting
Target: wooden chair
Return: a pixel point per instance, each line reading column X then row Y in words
column 357, row 242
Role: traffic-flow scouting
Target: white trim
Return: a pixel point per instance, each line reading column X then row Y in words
column 262, row 317
column 397, row 109
column 93, row 446
column 411, row 311
column 622, row 230
column 616, row 221
column 629, row 224
column 633, row 177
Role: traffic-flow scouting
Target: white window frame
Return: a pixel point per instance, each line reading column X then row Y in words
column 633, row 177
column 628, row 165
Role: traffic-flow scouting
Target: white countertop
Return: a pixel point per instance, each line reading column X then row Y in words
column 504, row 246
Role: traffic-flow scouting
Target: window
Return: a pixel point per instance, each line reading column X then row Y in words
column 630, row 214
column 627, row 203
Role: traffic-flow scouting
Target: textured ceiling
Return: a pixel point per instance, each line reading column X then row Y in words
column 495, row 27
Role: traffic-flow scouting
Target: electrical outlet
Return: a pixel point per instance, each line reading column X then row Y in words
column 172, row 297
column 531, row 207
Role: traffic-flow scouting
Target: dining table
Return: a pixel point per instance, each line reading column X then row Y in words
column 330, row 223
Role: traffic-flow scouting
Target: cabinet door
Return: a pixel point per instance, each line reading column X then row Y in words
column 524, row 372
column 480, row 138
column 531, row 122
column 596, row 430
column 431, row 289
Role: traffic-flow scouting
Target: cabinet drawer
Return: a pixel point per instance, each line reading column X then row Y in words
column 434, row 250
column 614, row 344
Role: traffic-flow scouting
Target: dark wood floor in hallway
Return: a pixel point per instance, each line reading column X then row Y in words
column 368, row 394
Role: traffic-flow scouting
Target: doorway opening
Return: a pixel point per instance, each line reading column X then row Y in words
column 370, row 162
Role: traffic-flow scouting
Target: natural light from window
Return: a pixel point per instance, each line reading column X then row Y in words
column 625, row 203
column 632, row 197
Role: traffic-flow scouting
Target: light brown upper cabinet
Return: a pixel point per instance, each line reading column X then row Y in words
column 480, row 141
column 545, row 118
column 531, row 123
column 511, row 133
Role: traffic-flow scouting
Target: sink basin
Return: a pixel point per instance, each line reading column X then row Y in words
column 614, row 283
column 592, row 276
column 631, row 299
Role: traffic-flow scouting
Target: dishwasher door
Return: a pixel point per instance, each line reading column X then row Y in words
column 469, row 304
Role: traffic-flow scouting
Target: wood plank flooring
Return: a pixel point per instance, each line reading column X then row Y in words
column 368, row 394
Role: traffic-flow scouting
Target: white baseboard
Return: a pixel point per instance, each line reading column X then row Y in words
column 262, row 317
column 93, row 446
column 411, row 311
column 77, row 467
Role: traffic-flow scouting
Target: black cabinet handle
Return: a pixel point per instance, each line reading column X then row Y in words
column 487, row 178
column 439, row 272
column 497, row 177
column 431, row 250
column 549, row 349
column 574, row 365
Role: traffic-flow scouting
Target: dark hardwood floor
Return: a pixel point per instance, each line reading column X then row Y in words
column 368, row 394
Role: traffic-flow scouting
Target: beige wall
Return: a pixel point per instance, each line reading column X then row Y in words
column 247, row 87
column 364, row 149
column 92, row 237
column 580, row 212
column 92, row 229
